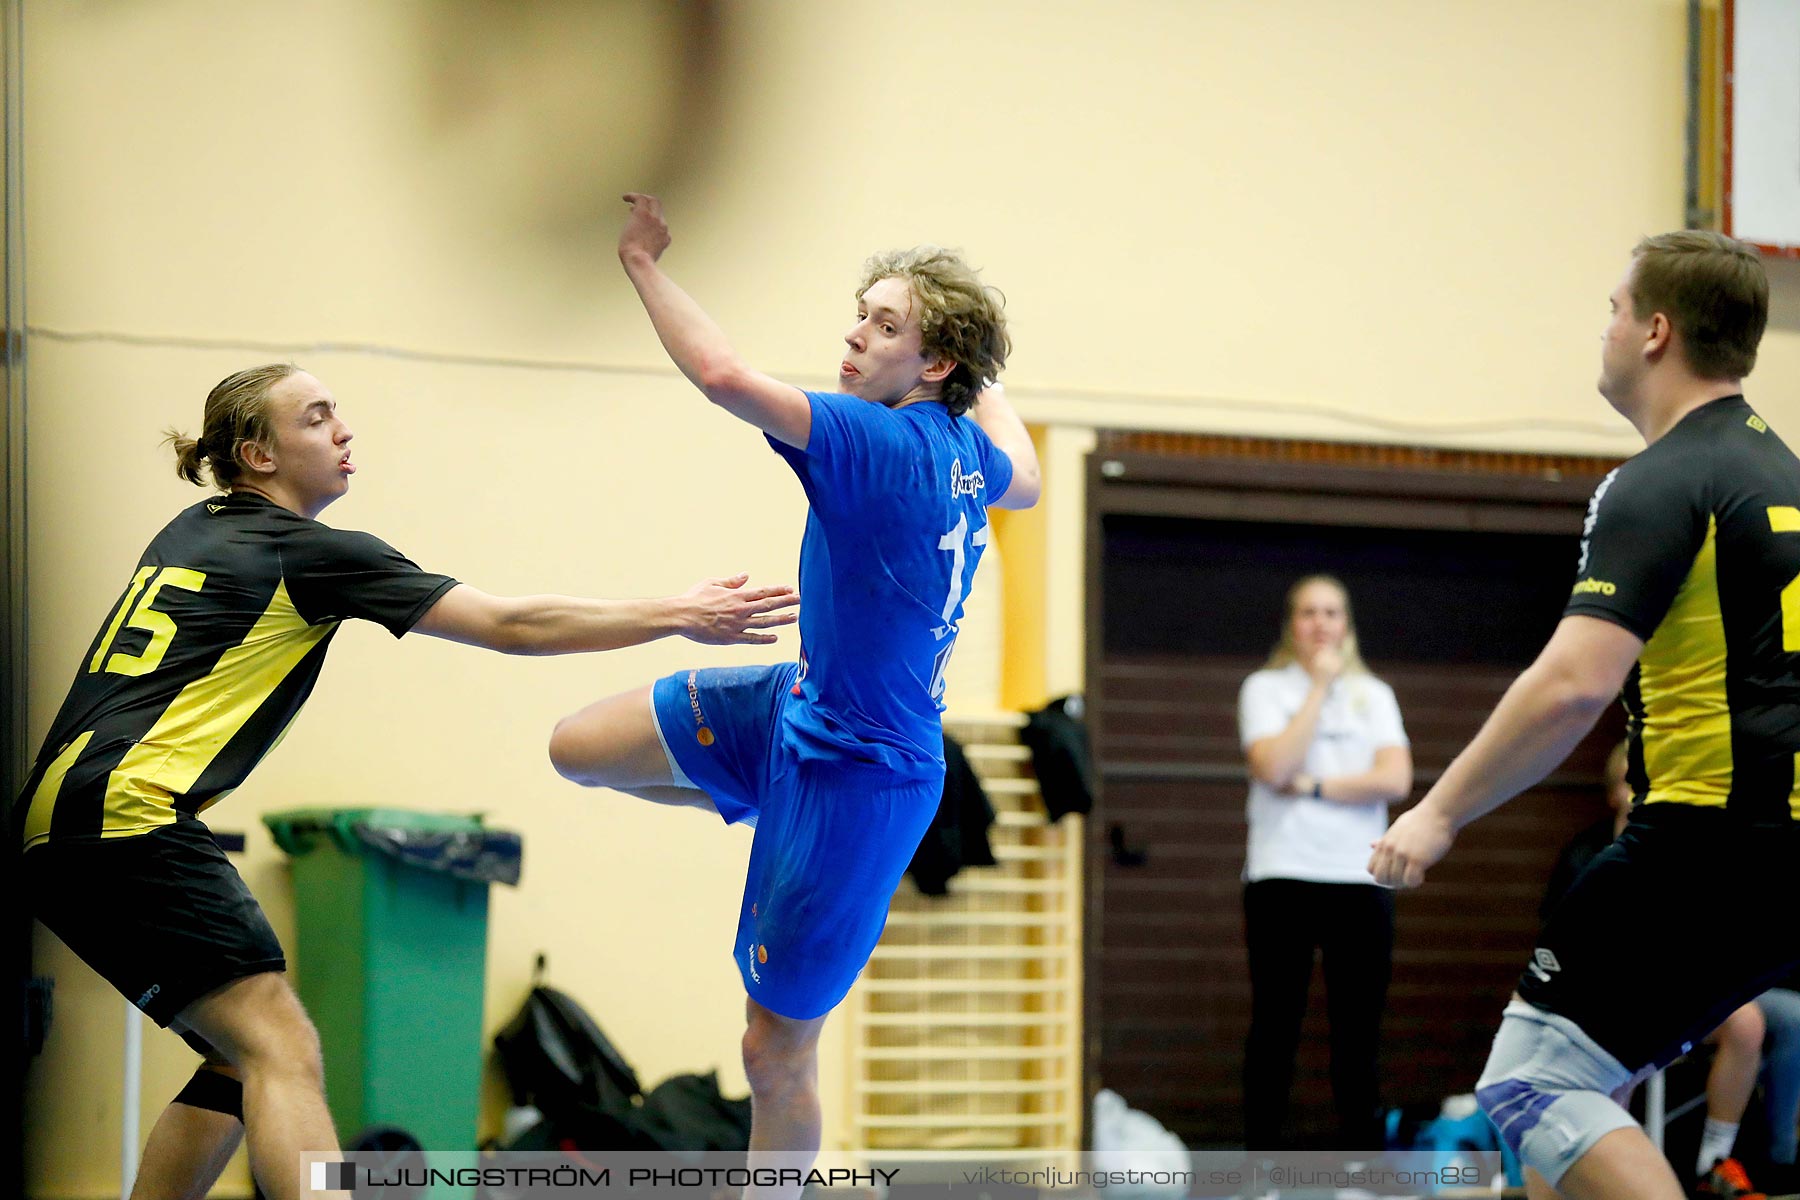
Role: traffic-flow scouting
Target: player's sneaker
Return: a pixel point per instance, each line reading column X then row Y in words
column 1728, row 1181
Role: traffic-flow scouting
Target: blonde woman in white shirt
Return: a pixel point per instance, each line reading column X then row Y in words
column 1327, row 754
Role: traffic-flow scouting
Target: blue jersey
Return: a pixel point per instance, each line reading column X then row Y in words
column 897, row 525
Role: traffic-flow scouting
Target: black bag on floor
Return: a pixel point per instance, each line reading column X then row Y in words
column 557, row 1060
column 688, row 1112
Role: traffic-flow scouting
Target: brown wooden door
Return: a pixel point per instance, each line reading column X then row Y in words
column 1456, row 581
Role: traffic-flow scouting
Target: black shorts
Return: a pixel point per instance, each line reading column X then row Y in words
column 1685, row 917
column 162, row 916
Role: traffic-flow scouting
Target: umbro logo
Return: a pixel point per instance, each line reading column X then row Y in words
column 213, row 508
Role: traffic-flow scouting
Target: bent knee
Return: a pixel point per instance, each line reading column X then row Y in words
column 1744, row 1029
column 258, row 1023
column 569, row 756
column 612, row 743
column 286, row 1034
column 780, row 1054
column 585, row 751
column 773, row 1067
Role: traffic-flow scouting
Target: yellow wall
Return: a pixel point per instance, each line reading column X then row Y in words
column 1393, row 220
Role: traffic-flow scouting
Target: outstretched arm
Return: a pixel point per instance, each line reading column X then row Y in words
column 719, row 612
column 696, row 344
column 1544, row 713
column 994, row 413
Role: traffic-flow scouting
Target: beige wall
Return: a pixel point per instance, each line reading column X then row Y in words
column 1387, row 220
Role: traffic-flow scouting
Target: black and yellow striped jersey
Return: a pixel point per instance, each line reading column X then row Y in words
column 1694, row 546
column 203, row 663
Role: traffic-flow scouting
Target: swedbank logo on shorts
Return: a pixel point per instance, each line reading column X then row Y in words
column 1591, row 586
column 702, row 734
column 964, row 485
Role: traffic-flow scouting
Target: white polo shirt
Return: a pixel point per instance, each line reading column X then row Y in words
column 1298, row 837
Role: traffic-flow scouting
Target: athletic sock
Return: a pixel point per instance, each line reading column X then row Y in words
column 1715, row 1143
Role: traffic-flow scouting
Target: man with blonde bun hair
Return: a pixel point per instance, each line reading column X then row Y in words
column 837, row 759
column 1686, row 598
column 197, row 670
column 236, row 412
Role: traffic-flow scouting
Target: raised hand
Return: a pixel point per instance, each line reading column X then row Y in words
column 645, row 232
column 723, row 612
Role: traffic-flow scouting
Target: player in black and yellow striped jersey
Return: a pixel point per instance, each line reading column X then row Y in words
column 196, row 672
column 1694, row 546
column 204, row 660
column 1687, row 600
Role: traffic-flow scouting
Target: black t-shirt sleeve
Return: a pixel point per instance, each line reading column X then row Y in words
column 335, row 574
column 1645, row 524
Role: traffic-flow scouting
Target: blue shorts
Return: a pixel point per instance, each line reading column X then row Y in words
column 832, row 838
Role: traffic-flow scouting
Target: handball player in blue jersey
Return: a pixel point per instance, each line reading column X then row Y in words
column 837, row 759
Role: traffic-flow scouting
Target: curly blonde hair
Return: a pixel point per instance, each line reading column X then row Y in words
column 960, row 318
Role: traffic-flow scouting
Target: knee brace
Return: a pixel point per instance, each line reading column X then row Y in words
column 1548, row 1088
column 214, row 1091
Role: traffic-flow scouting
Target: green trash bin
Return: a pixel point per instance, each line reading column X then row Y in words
column 391, row 914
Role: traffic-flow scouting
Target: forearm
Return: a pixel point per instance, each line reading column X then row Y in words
column 1000, row 421
column 694, row 341
column 1275, row 760
column 1542, row 717
column 575, row 625
column 1374, row 786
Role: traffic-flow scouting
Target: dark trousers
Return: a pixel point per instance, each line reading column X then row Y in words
column 1285, row 920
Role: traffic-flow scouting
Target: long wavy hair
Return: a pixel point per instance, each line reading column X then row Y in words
column 1284, row 651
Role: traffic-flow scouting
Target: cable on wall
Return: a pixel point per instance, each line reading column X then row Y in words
column 1087, row 396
